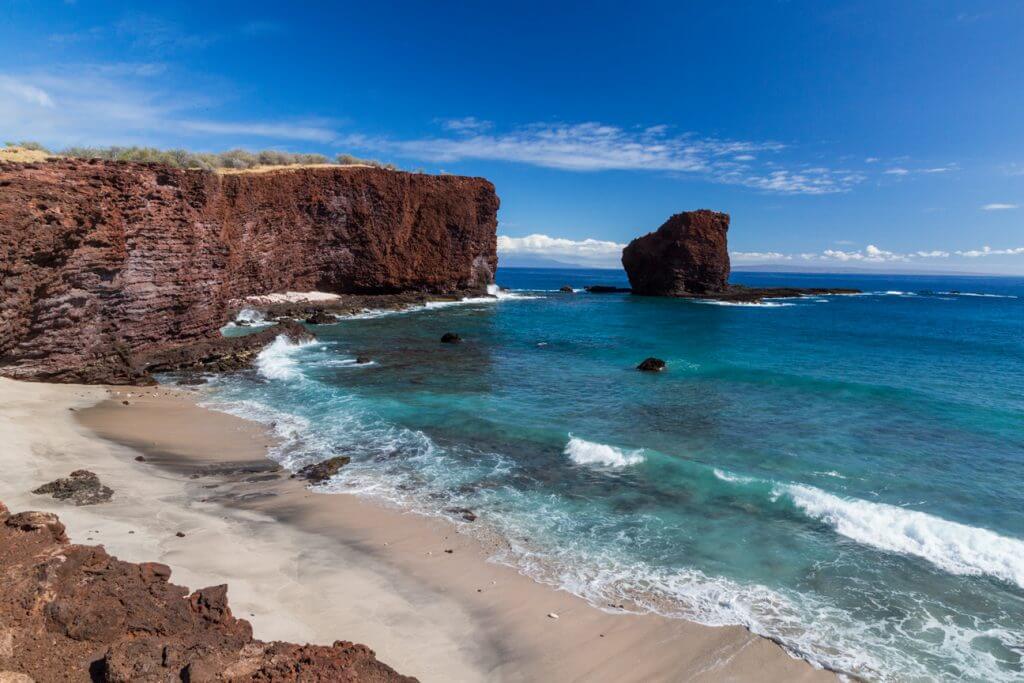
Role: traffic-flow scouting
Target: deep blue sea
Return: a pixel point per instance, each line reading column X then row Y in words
column 843, row 474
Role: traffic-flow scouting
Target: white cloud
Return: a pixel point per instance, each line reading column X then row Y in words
column 989, row 251
column 758, row 256
column 999, row 207
column 896, row 171
column 588, row 251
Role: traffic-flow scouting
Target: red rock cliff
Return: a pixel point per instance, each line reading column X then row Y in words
column 102, row 260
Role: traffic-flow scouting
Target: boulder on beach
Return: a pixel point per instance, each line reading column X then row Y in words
column 451, row 338
column 81, row 487
column 651, row 365
column 320, row 472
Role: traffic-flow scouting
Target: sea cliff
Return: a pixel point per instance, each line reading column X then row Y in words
column 104, row 266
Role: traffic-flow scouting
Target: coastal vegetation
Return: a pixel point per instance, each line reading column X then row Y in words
column 229, row 160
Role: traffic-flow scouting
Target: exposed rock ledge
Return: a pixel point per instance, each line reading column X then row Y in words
column 104, row 265
column 74, row 613
column 688, row 256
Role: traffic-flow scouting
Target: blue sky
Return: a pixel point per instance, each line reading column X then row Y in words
column 883, row 135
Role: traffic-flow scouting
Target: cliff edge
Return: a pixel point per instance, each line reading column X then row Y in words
column 104, row 264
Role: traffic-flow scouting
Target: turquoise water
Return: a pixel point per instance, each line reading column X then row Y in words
column 843, row 474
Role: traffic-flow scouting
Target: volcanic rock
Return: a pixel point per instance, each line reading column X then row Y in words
column 75, row 613
column 651, row 365
column 451, row 338
column 104, row 264
column 320, row 317
column 81, row 487
column 687, row 255
column 566, row 288
column 605, row 289
column 322, row 471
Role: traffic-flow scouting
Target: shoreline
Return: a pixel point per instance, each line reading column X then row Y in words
column 305, row 566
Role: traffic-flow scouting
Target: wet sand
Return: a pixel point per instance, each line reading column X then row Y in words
column 305, row 566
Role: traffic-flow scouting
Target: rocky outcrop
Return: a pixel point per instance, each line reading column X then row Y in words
column 687, row 255
column 651, row 365
column 74, row 613
column 104, row 263
column 81, row 487
column 320, row 472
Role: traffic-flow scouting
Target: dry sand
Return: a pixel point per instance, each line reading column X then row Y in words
column 304, row 566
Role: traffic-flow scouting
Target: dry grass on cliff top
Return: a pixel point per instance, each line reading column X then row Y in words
column 23, row 155
column 290, row 167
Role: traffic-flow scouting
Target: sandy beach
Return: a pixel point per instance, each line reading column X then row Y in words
column 305, row 566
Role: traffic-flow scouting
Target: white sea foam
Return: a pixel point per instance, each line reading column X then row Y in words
column 584, row 452
column 249, row 317
column 751, row 304
column 987, row 296
column 951, row 546
column 277, row 360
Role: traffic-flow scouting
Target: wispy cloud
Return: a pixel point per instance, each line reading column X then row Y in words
column 989, row 251
column 999, row 207
column 128, row 103
column 285, row 131
column 593, row 146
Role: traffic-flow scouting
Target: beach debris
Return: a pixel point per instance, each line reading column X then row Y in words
column 81, row 487
column 451, row 338
column 552, row 615
column 464, row 513
column 320, row 472
column 449, row 551
column 651, row 365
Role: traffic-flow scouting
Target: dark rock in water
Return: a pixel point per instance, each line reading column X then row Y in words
column 320, row 472
column 606, row 289
column 687, row 255
column 451, row 338
column 363, row 360
column 567, row 289
column 651, row 365
column 140, row 458
column 81, row 487
column 464, row 513
column 320, row 317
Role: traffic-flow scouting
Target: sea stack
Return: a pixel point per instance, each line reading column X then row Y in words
column 688, row 255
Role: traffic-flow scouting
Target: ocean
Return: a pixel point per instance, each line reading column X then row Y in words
column 841, row 474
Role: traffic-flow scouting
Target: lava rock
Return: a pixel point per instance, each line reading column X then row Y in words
column 687, row 255
column 451, row 338
column 81, row 487
column 651, row 365
column 567, row 289
column 605, row 289
column 320, row 472
column 465, row 513
column 320, row 317
column 363, row 360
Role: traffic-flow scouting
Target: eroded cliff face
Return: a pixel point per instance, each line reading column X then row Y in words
column 104, row 263
column 688, row 255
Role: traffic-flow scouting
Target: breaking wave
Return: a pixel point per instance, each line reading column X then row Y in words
column 277, row 361
column 953, row 547
column 583, row 452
